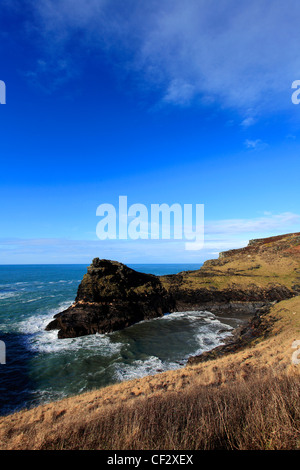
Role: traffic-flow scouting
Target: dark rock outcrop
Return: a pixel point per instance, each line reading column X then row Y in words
column 110, row 297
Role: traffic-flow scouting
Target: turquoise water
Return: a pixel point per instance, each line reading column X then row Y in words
column 41, row 368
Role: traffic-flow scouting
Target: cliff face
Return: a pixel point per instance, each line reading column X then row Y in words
column 266, row 270
column 112, row 296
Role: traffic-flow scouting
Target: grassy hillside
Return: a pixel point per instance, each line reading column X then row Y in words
column 245, row 400
column 264, row 262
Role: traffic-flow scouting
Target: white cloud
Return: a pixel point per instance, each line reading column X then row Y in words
column 247, row 122
column 244, row 55
column 257, row 144
column 179, row 93
column 279, row 223
column 220, row 236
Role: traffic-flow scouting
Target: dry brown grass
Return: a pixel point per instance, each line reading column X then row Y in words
column 261, row 413
column 272, row 263
column 246, row 400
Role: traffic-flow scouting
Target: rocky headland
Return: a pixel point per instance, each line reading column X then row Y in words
column 241, row 395
column 241, row 282
column 110, row 297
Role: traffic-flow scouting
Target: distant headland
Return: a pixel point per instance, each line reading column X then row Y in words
column 112, row 296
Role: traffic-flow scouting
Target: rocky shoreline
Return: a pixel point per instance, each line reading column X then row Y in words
column 240, row 338
column 241, row 283
column 113, row 296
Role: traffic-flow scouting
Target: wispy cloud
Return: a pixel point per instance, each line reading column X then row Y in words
column 219, row 236
column 179, row 93
column 247, row 122
column 257, row 144
column 242, row 55
column 279, row 223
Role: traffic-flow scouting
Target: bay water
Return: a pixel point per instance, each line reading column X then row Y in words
column 41, row 368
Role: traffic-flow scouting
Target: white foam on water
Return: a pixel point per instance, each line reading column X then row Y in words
column 189, row 315
column 39, row 321
column 141, row 368
column 210, row 333
column 7, row 295
column 46, row 396
column 60, row 281
column 209, row 339
column 47, row 342
column 31, row 300
column 13, row 284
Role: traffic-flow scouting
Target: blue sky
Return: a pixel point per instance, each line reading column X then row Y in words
column 163, row 101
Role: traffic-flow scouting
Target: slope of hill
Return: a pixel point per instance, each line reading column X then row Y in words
column 112, row 296
column 247, row 398
column 266, row 269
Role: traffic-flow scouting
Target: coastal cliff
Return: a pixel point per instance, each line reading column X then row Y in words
column 241, row 395
column 112, row 296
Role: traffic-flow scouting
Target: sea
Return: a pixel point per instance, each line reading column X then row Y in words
column 41, row 368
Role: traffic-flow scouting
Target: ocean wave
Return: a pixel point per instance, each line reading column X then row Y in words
column 39, row 321
column 189, row 315
column 47, row 342
column 31, row 300
column 210, row 332
column 208, row 339
column 13, row 284
column 141, row 368
column 63, row 281
column 7, row 295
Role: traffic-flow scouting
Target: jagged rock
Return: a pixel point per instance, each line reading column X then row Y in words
column 242, row 337
column 112, row 296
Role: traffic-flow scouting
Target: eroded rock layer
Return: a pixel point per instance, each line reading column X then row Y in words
column 112, row 296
